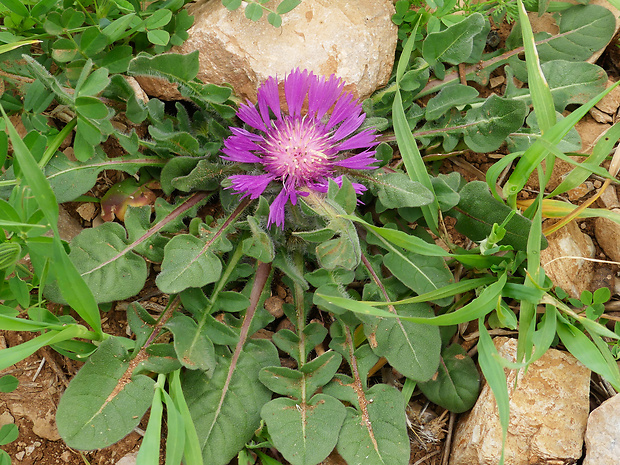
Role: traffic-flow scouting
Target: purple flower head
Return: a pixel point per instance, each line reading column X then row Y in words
column 301, row 148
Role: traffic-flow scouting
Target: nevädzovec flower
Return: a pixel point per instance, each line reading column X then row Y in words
column 303, row 147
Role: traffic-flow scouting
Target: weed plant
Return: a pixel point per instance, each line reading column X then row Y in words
column 341, row 203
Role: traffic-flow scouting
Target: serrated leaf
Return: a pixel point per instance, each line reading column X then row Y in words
column 381, row 438
column 454, row 44
column 187, row 263
column 304, row 434
column 193, row 348
column 226, row 412
column 411, row 348
column 490, row 124
column 103, row 403
column 457, row 382
column 100, row 256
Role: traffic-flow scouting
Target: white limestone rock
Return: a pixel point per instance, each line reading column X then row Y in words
column 548, row 414
column 354, row 39
column 603, row 434
column 564, row 260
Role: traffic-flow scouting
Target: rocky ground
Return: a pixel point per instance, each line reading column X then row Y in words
column 555, row 385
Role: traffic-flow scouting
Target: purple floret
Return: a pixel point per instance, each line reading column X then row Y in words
column 303, row 147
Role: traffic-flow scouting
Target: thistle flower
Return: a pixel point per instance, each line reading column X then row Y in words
column 301, row 148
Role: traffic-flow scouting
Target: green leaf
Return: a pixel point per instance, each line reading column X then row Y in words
column 301, row 384
column 149, row 448
column 274, row 19
column 586, row 351
column 103, row 403
column 187, row 263
column 304, row 434
column 92, row 41
column 159, row 19
column 253, row 11
column 17, row 7
column 454, row 44
column 568, row 81
column 170, row 65
column 583, row 30
column 260, row 245
column 449, row 97
column 379, row 438
column 158, row 37
column 286, row 5
column 456, row 384
column 478, row 210
column 19, row 352
column 489, row 125
column 542, row 100
column 111, row 271
column 226, row 408
column 416, row 169
column 341, row 252
column 64, row 50
column 117, row 28
column 95, row 83
column 8, row 433
column 231, row 4
column 480, row 306
column 193, row 348
column 396, row 190
column 8, row 383
column 420, row 273
column 495, row 376
column 9, row 254
column 411, row 348
column 91, row 107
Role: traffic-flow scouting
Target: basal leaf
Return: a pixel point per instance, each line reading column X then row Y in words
column 583, row 30
column 568, row 81
column 381, row 437
column 101, row 257
column 226, row 412
column 449, row 97
column 103, row 403
column 193, row 348
column 411, row 348
column 490, row 124
column 305, row 434
column 396, row 190
column 187, row 263
column 478, row 210
column 454, row 44
column 420, row 273
column 457, row 382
